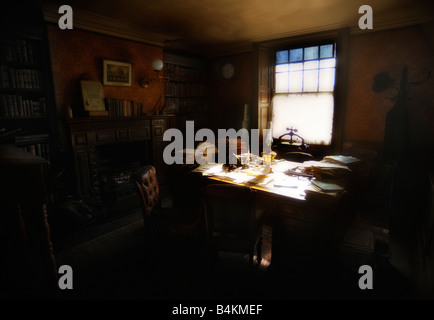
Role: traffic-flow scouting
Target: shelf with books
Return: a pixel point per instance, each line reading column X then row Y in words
column 26, row 94
column 22, row 105
column 123, row 108
column 186, row 88
column 21, row 49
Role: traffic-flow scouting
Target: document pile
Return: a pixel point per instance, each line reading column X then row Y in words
column 341, row 160
column 324, row 191
column 323, row 169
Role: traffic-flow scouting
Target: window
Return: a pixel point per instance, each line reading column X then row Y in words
column 303, row 98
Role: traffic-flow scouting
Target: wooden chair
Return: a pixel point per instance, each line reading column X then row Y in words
column 232, row 221
column 163, row 224
column 297, row 156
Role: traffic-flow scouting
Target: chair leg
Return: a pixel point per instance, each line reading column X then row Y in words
column 259, row 251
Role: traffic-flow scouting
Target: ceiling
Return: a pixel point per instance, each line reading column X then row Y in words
column 213, row 27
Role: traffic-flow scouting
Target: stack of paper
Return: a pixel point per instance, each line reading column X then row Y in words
column 359, row 238
column 357, row 248
column 321, row 169
column 316, row 194
column 324, row 186
column 340, row 159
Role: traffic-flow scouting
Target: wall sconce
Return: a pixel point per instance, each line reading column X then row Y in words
column 157, row 65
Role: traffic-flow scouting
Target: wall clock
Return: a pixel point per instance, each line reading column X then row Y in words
column 228, row 71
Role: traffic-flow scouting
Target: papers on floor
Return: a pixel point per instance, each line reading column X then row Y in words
column 364, row 244
column 359, row 238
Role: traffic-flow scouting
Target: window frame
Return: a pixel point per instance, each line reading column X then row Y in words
column 340, row 38
column 294, row 46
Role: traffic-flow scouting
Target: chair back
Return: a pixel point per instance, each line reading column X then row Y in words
column 147, row 188
column 297, row 156
column 229, row 210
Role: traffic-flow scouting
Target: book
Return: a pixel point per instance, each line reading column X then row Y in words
column 340, row 159
column 316, row 194
column 327, row 186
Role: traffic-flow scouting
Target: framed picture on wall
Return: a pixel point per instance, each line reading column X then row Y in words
column 117, row 73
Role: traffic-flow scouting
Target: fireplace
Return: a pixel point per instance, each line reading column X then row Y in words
column 112, row 193
column 107, row 150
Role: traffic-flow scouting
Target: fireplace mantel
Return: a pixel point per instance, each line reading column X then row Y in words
column 88, row 133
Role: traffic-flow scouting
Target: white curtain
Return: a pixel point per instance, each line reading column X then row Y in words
column 310, row 113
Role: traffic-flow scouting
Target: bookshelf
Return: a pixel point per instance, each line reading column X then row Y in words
column 186, row 88
column 27, row 116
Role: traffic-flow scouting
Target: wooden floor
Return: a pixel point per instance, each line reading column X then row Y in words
column 114, row 266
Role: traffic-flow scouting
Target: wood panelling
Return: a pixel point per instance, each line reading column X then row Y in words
column 227, row 98
column 265, row 77
column 388, row 51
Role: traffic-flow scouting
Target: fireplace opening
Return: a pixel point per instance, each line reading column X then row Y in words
column 113, row 194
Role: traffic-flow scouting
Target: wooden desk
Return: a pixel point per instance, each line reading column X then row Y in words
column 305, row 231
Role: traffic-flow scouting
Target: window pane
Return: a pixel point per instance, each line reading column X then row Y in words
column 311, row 65
column 311, row 53
column 281, row 82
column 310, row 113
column 326, row 51
column 310, row 81
column 282, row 56
column 326, row 79
column 327, row 63
column 295, row 66
column 296, row 81
column 282, row 67
column 296, row 55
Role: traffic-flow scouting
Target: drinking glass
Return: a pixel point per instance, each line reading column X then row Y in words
column 244, row 159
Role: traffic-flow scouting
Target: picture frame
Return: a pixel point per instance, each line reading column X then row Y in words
column 93, row 95
column 117, row 73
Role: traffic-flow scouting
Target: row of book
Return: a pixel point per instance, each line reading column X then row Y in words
column 16, row 106
column 38, row 149
column 123, row 108
column 174, row 105
column 19, row 50
column 185, row 89
column 18, row 78
column 32, row 138
column 179, row 73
